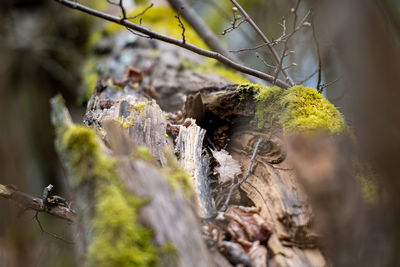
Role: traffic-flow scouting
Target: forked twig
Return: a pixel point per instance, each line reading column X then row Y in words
column 181, row 26
column 36, row 217
column 264, row 62
column 324, row 85
column 234, row 23
column 141, row 13
column 265, row 39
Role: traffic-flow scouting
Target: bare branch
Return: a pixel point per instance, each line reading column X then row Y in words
column 227, row 17
column 234, row 23
column 248, row 49
column 264, row 62
column 324, row 85
column 181, row 26
column 141, row 13
column 151, row 34
column 266, row 41
column 318, row 54
column 36, row 217
column 201, row 28
column 28, row 202
column 121, row 6
column 137, row 34
column 286, row 37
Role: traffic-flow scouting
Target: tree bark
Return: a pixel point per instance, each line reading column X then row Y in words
column 270, row 204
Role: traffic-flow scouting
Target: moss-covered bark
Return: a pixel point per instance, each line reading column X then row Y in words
column 110, row 233
column 296, row 109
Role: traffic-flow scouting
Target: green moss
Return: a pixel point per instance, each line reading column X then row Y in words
column 176, row 176
column 169, row 254
column 143, row 153
column 212, row 66
column 367, row 180
column 118, row 238
column 83, row 152
column 297, row 109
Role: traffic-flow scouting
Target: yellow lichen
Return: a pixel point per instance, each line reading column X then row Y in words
column 139, row 108
column 297, row 109
column 125, row 122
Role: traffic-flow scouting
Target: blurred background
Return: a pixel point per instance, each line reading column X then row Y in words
column 43, row 46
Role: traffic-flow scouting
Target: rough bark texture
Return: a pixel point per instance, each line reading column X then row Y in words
column 280, row 213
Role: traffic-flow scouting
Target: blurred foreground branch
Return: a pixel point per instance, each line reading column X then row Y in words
column 28, row 202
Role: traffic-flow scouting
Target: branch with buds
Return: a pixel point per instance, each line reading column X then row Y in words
column 145, row 32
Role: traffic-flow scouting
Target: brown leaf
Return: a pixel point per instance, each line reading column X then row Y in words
column 246, row 225
column 228, row 167
column 133, row 75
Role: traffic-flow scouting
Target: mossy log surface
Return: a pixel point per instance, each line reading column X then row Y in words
column 129, row 112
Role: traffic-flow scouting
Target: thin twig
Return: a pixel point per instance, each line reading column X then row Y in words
column 265, row 39
column 264, row 62
column 137, row 34
column 228, row 198
column 308, row 77
column 121, row 6
column 50, row 234
column 181, row 25
column 324, row 85
column 201, row 28
column 141, row 13
column 318, row 53
column 154, row 35
column 234, row 23
column 247, row 49
column 227, row 17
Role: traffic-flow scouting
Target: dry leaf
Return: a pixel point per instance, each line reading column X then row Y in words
column 228, row 167
column 246, row 225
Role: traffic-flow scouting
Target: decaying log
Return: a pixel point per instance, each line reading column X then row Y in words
column 168, row 214
column 272, row 185
column 270, row 200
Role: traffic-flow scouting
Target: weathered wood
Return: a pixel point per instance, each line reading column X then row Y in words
column 168, row 213
column 271, row 186
column 189, row 147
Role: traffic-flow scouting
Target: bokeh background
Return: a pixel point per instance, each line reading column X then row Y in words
column 43, row 46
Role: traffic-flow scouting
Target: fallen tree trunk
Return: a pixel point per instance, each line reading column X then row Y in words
column 266, row 220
